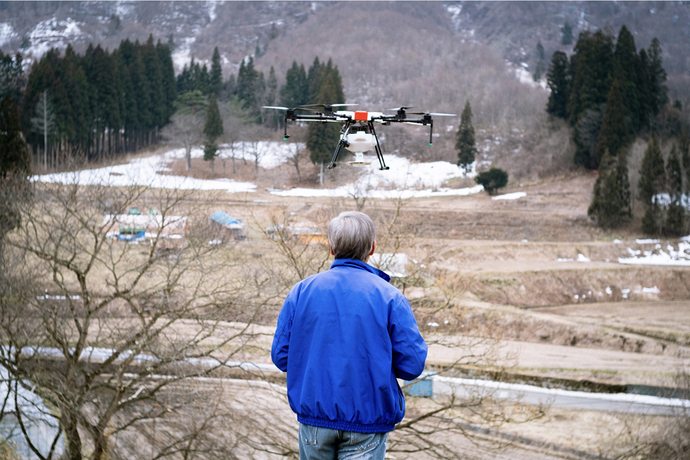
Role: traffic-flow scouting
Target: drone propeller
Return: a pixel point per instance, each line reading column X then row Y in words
column 325, row 106
column 282, row 108
column 403, row 108
column 433, row 114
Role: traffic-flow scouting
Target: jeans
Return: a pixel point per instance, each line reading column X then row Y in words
column 316, row 443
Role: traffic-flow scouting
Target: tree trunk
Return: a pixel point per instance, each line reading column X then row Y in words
column 71, row 434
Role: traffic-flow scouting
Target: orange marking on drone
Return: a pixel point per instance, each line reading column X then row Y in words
column 361, row 116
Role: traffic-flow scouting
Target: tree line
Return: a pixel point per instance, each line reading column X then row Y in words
column 100, row 103
column 611, row 93
column 248, row 91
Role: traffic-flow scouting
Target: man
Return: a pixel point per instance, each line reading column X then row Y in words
column 343, row 337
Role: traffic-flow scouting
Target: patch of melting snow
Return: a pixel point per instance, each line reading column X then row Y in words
column 404, row 179
column 608, row 290
column 647, row 241
column 565, row 260
column 673, row 257
column 617, row 241
column 510, row 196
column 582, row 258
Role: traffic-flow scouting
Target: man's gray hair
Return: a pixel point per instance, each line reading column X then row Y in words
column 352, row 235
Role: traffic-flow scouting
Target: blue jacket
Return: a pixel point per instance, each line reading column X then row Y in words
column 343, row 336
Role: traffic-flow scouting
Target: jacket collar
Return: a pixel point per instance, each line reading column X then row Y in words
column 354, row 263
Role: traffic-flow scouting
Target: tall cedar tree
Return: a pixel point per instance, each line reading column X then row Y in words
column 651, row 184
column 12, row 79
column 249, row 88
column 675, row 215
column 607, row 209
column 658, row 91
column 15, row 163
column 464, row 141
column 213, row 129
column 625, row 71
column 644, row 94
column 322, row 138
column 295, row 91
column 271, row 117
column 216, row 78
column 591, row 67
column 167, row 81
column 615, row 134
column 558, row 80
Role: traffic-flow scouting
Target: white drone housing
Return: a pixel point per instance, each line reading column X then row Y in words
column 360, row 142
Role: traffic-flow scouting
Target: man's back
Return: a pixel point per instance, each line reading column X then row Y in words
column 343, row 336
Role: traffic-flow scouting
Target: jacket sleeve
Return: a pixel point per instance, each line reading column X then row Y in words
column 409, row 348
column 281, row 339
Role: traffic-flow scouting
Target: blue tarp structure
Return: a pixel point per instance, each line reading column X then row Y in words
column 226, row 220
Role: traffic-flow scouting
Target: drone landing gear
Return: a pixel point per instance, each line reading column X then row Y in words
column 377, row 147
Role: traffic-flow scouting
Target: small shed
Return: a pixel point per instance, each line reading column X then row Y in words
column 305, row 232
column 228, row 224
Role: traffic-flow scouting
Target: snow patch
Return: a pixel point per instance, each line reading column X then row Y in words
column 657, row 256
column 52, row 33
column 510, row 196
column 7, row 33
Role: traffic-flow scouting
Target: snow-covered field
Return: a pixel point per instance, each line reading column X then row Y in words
column 403, row 180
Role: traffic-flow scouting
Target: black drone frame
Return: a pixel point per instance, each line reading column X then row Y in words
column 348, row 122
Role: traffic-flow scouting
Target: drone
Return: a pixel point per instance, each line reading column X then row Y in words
column 358, row 134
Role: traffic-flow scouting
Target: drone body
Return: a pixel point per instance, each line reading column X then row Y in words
column 358, row 134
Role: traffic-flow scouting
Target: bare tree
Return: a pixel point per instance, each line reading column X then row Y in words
column 187, row 131
column 104, row 331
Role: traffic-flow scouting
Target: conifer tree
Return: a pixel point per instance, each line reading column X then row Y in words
column 167, row 80
column 153, row 74
column 492, row 180
column 675, row 215
column 644, row 90
column 540, row 65
column 295, row 91
column 465, row 143
column 623, row 187
column 615, row 133
column 272, row 118
column 15, row 164
column 651, row 184
column 625, row 71
column 12, row 79
column 213, row 129
column 606, row 208
column 558, row 81
column 591, row 68
column 322, row 138
column 216, row 77
column 657, row 78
